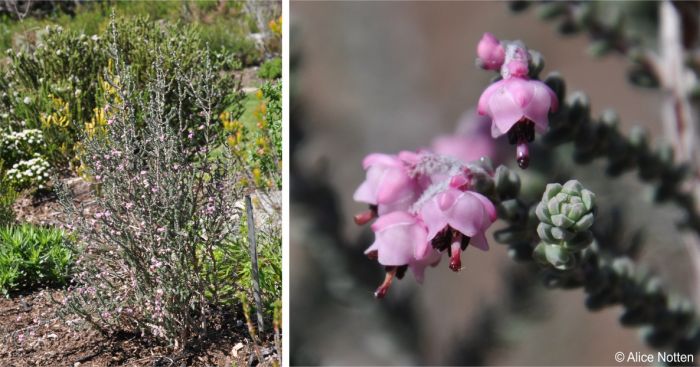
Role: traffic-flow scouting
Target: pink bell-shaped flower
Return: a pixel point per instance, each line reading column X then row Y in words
column 457, row 218
column 517, row 105
column 512, row 101
column 401, row 243
column 388, row 186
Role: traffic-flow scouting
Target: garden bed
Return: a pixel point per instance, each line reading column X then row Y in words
column 31, row 334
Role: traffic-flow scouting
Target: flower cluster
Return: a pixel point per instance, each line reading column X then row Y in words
column 518, row 105
column 18, row 145
column 29, row 173
column 425, row 206
column 426, row 202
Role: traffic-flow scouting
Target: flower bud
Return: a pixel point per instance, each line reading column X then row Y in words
column 490, row 51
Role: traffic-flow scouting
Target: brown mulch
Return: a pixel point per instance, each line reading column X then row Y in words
column 42, row 208
column 32, row 334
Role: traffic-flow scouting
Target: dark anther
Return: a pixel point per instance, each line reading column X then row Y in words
column 441, row 242
column 401, row 271
column 465, row 242
column 523, row 130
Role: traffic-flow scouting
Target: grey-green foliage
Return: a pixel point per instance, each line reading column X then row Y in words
column 574, row 259
column 566, row 213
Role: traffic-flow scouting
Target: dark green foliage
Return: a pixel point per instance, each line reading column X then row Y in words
column 271, row 69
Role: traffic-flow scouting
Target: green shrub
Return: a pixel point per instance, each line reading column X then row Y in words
column 259, row 147
column 238, row 264
column 32, row 257
column 271, row 69
column 54, row 88
column 65, row 85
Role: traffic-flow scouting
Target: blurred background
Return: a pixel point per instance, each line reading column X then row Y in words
column 385, row 77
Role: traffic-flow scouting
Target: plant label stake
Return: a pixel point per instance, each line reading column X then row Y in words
column 254, row 262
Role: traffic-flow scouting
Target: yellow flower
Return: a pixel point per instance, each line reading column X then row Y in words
column 259, row 94
column 256, row 175
column 231, row 140
column 276, row 26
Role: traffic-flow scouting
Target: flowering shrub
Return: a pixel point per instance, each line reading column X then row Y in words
column 29, row 173
column 19, row 145
column 22, row 151
column 54, row 88
column 152, row 251
column 260, row 147
column 60, row 88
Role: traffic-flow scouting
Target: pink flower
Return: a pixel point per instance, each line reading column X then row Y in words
column 491, row 52
column 514, row 100
column 399, row 238
column 457, row 218
column 388, row 186
column 517, row 105
column 400, row 243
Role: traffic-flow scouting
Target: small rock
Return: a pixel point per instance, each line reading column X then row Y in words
column 236, row 348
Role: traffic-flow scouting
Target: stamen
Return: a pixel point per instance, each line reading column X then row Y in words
column 366, row 216
column 441, row 242
column 384, row 287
